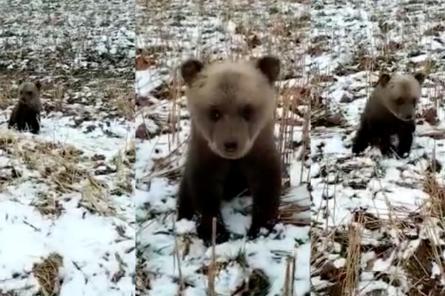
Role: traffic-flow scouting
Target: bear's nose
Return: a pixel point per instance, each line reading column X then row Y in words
column 230, row 146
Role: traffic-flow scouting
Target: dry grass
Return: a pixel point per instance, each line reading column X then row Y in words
column 47, row 274
column 353, row 259
column 124, row 176
column 64, row 170
column 437, row 196
column 94, row 197
column 289, row 276
column 211, row 275
column 122, row 99
column 61, row 162
column 58, row 97
column 6, row 95
column 419, row 267
column 142, row 277
column 181, row 286
column 289, row 211
column 48, row 205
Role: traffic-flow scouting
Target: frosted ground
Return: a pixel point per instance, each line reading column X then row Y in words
column 66, row 213
column 378, row 223
column 172, row 260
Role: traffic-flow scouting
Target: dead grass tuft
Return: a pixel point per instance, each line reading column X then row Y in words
column 258, row 283
column 6, row 95
column 419, row 268
column 58, row 97
column 124, row 102
column 47, row 274
column 47, row 204
column 211, row 275
column 57, row 164
column 7, row 140
column 369, row 221
column 94, row 197
column 288, row 213
column 350, row 283
column 289, row 276
column 143, row 60
column 334, row 275
column 68, row 175
column 437, row 196
column 142, row 277
column 124, row 174
column 323, row 115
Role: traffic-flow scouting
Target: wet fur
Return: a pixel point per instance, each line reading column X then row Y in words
column 380, row 121
column 26, row 113
column 210, row 178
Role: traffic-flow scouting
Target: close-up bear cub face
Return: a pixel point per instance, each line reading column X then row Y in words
column 230, row 103
column 402, row 93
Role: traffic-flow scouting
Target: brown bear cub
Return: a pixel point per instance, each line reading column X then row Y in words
column 389, row 111
column 232, row 149
column 26, row 114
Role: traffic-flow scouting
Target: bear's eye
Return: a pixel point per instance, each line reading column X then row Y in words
column 215, row 114
column 247, row 112
column 399, row 101
column 29, row 93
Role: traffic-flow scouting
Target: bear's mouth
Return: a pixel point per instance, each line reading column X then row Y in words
column 401, row 117
column 230, row 156
column 240, row 153
column 405, row 118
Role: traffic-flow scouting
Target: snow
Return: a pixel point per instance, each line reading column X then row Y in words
column 160, row 157
column 49, row 202
column 391, row 190
column 85, row 189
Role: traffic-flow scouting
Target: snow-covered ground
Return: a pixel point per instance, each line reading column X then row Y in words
column 71, row 222
column 172, row 260
column 378, row 223
column 66, row 212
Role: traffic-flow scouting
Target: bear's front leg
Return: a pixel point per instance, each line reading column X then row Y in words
column 206, row 191
column 361, row 140
column 13, row 118
column 33, row 123
column 184, row 202
column 384, row 144
column 264, row 179
column 405, row 141
column 21, row 118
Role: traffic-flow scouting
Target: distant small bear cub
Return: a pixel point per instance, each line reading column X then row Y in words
column 390, row 110
column 232, row 147
column 26, row 113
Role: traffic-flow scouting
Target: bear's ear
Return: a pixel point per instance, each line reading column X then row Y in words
column 270, row 67
column 420, row 77
column 38, row 84
column 190, row 69
column 383, row 79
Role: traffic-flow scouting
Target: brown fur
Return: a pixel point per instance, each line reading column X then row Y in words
column 390, row 110
column 232, row 145
column 26, row 113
